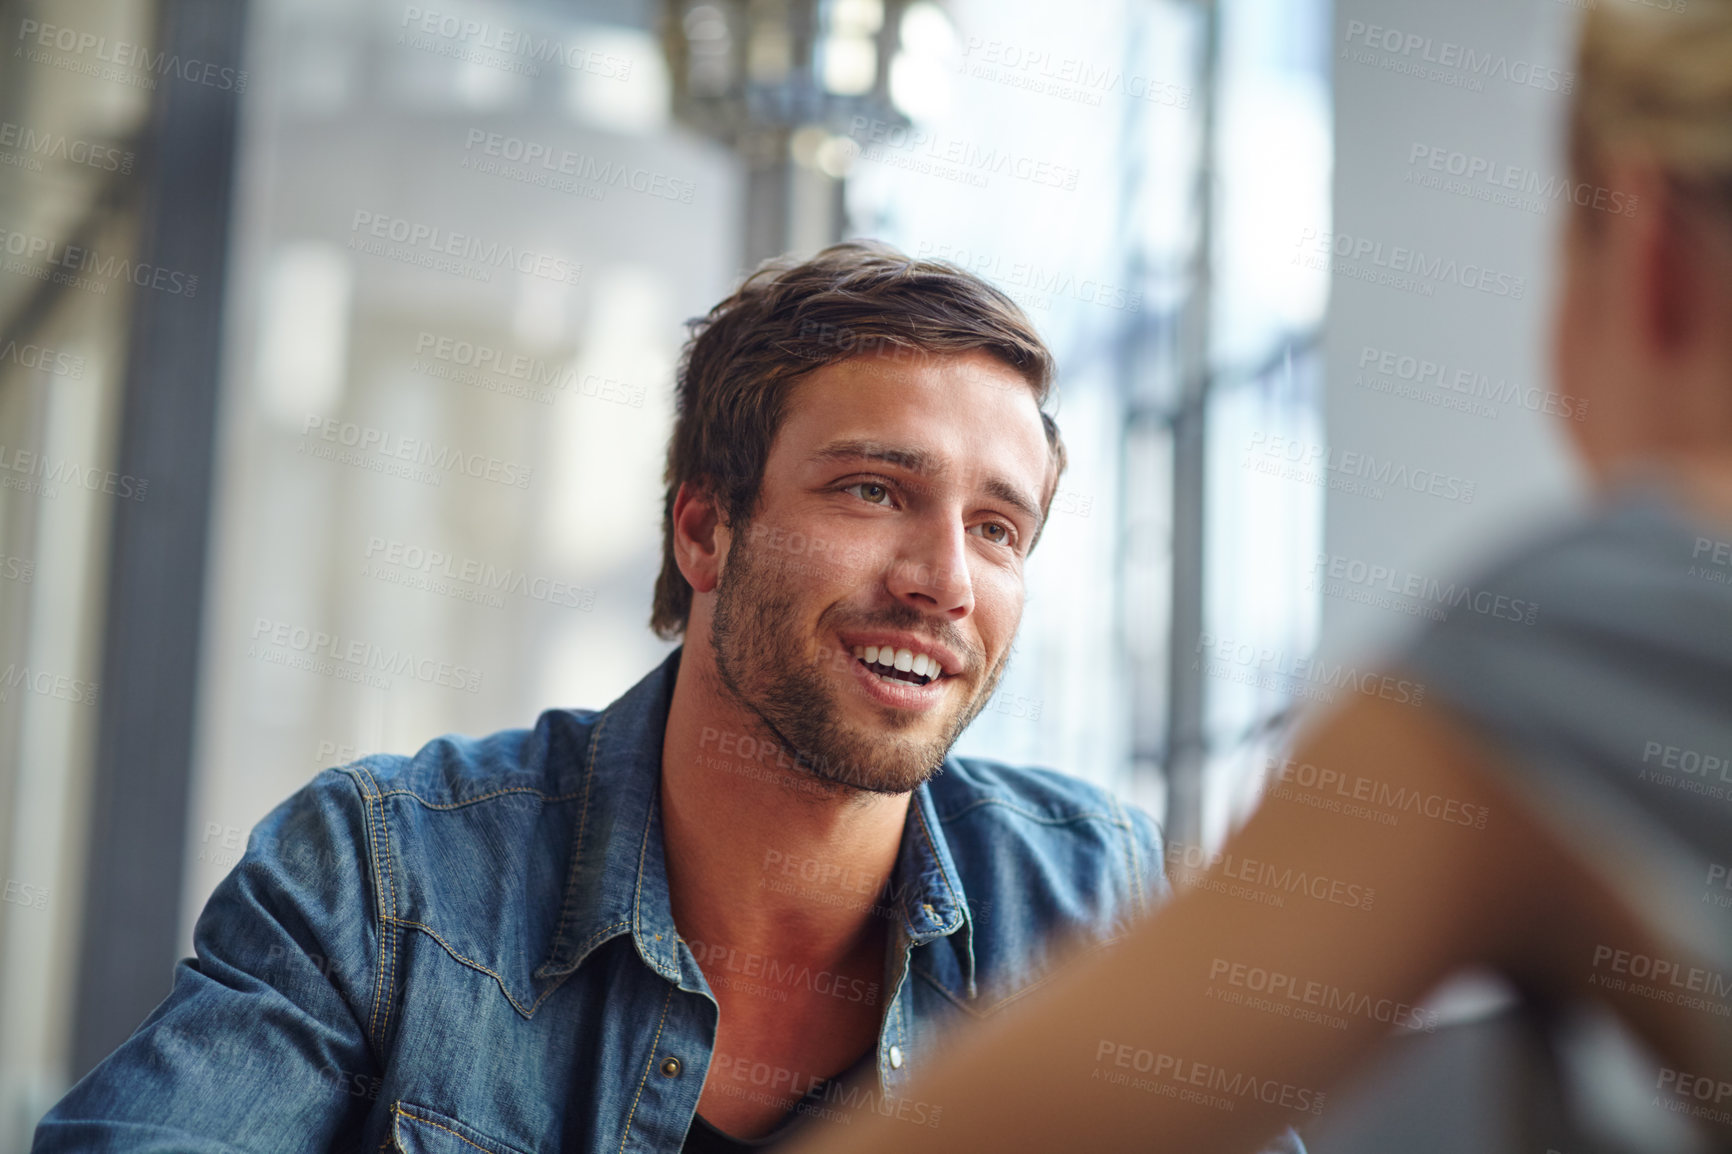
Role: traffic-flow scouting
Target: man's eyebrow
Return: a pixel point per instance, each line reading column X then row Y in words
column 1014, row 497
column 914, row 460
column 924, row 464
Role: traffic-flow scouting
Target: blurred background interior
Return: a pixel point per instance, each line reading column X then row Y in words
column 336, row 321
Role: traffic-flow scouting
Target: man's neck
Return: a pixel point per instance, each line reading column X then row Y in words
column 762, row 857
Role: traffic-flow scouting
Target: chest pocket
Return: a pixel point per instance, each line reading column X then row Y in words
column 418, row 1130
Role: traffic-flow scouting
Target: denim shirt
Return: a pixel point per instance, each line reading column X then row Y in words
column 472, row 949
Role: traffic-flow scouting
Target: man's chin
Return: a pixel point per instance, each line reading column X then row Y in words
column 880, row 779
column 877, row 758
column 838, row 734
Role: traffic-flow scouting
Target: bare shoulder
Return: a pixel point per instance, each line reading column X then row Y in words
column 1421, row 800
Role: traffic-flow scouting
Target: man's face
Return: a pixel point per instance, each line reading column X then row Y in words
column 898, row 505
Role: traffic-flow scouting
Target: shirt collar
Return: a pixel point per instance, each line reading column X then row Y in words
column 617, row 879
column 932, row 900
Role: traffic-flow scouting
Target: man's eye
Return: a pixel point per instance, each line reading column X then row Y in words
column 871, row 492
column 997, row 533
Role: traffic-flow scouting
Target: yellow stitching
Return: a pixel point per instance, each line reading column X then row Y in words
column 637, row 890
column 656, row 1041
column 603, row 932
column 972, row 1010
column 396, row 938
column 388, row 936
column 479, row 797
column 379, row 900
column 379, row 903
column 589, row 943
column 1028, row 813
column 1116, row 820
column 975, row 1011
column 391, row 883
column 932, row 981
column 942, row 872
column 470, row 962
column 1023, row 991
column 582, row 825
column 429, row 1122
column 475, row 965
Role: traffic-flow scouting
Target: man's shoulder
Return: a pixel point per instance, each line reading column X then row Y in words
column 469, row 838
column 456, row 796
column 546, row 759
column 1047, row 828
column 1040, row 802
column 1044, row 858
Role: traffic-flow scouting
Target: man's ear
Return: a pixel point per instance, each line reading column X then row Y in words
column 701, row 537
column 1668, row 271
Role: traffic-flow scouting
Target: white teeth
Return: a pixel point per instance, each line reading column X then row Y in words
column 903, row 660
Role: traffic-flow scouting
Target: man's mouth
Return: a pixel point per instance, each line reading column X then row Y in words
column 903, row 665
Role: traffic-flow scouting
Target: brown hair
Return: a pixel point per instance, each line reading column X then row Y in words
column 789, row 318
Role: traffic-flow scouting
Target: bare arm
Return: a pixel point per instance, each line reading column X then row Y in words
column 1134, row 1046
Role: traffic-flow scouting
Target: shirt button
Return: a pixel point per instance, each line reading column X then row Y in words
column 671, row 1066
column 896, row 1057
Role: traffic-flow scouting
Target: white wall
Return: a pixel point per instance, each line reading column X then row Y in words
column 1515, row 459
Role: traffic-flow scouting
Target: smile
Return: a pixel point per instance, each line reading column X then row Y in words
column 904, row 665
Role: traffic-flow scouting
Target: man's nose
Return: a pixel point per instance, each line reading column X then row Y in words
column 931, row 573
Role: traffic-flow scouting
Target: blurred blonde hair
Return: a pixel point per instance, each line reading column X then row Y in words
column 1656, row 82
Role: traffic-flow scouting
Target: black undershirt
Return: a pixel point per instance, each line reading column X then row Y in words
column 704, row 1138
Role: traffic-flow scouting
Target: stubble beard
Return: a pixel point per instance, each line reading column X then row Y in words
column 761, row 665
